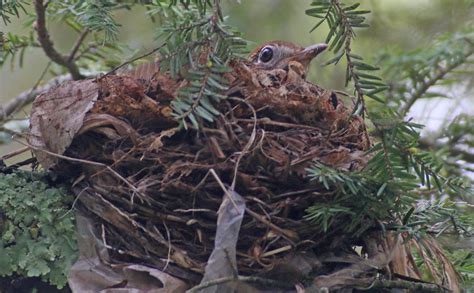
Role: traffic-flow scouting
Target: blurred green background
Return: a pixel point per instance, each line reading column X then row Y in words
column 401, row 25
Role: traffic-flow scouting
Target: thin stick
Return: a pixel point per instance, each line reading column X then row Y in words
column 14, row 153
column 168, row 236
column 77, row 45
column 226, row 191
column 268, row 121
column 256, row 280
column 132, row 60
column 270, row 224
column 248, row 144
column 130, row 185
column 28, row 96
column 276, row 251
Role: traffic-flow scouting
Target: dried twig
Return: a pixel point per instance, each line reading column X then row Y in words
column 28, row 96
column 256, row 280
column 226, row 191
column 115, row 173
column 14, row 153
column 77, row 45
column 411, row 286
column 290, row 237
column 249, row 142
column 133, row 60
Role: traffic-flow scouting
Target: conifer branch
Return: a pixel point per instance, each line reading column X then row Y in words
column 342, row 20
column 199, row 47
column 426, row 84
column 351, row 73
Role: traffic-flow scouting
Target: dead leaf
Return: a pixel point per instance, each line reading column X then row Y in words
column 57, row 116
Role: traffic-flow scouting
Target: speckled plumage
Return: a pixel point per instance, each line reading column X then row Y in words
column 283, row 53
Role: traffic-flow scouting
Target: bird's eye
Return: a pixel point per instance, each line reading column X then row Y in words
column 266, row 55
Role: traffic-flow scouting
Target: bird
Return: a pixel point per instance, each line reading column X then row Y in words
column 271, row 64
column 268, row 56
column 279, row 54
column 273, row 76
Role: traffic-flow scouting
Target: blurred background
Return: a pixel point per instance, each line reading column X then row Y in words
column 396, row 25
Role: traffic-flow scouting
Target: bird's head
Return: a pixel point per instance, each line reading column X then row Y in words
column 278, row 54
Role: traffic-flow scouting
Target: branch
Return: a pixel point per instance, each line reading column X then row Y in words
column 133, row 60
column 412, row 286
column 347, row 52
column 465, row 155
column 249, row 279
column 197, row 100
column 28, row 96
column 47, row 44
column 77, row 45
column 426, row 84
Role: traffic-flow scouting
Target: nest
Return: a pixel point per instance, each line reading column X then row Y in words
column 155, row 188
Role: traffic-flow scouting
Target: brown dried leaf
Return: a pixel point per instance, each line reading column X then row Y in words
column 93, row 272
column 222, row 261
column 450, row 278
column 94, row 121
column 58, row 115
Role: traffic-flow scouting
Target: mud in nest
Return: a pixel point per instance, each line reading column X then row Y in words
column 155, row 188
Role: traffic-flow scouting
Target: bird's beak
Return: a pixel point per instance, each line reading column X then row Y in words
column 307, row 54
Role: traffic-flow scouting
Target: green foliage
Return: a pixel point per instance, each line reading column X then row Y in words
column 387, row 191
column 413, row 74
column 463, row 260
column 9, row 8
column 363, row 200
column 13, row 45
column 198, row 47
column 360, row 199
column 435, row 217
column 37, row 231
column 94, row 15
column 426, row 74
column 397, row 155
column 92, row 18
column 342, row 20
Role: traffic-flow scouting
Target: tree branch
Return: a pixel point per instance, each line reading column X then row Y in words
column 47, row 44
column 245, row 279
column 427, row 84
column 77, row 45
column 412, row 286
column 465, row 155
column 350, row 64
column 29, row 95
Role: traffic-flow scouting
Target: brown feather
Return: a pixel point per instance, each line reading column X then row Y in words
column 254, row 54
